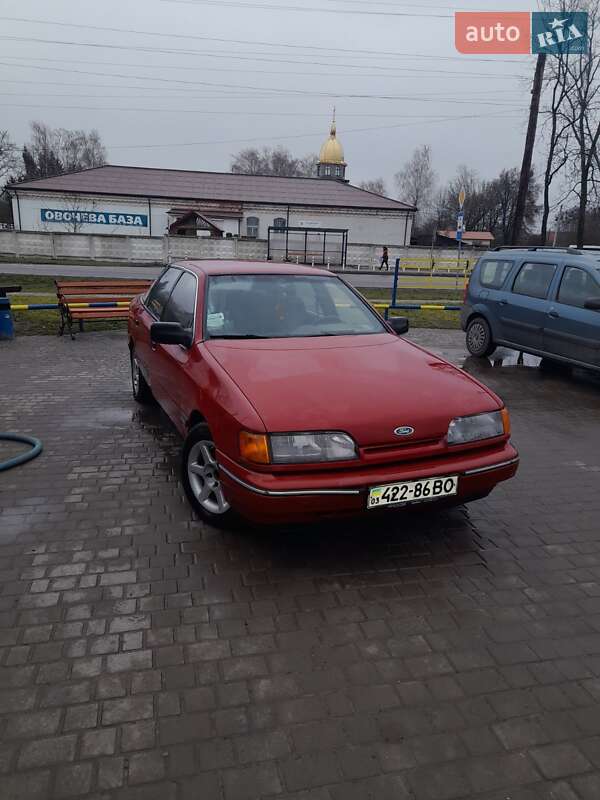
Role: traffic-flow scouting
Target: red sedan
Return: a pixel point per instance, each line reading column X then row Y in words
column 297, row 400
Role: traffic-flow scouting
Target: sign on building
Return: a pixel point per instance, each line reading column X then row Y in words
column 61, row 216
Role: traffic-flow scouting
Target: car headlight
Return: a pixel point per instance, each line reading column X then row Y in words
column 297, row 448
column 481, row 426
column 306, row 448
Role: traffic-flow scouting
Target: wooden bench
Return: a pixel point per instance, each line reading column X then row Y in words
column 74, row 298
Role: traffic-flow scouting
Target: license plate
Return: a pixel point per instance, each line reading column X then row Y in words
column 412, row 492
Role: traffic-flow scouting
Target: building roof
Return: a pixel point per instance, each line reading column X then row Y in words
column 221, row 186
column 469, row 236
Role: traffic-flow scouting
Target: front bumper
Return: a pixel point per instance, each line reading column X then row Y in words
column 299, row 497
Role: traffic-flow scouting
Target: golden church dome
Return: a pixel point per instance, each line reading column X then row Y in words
column 332, row 151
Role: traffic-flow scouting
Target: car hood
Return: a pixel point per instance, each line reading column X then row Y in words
column 367, row 386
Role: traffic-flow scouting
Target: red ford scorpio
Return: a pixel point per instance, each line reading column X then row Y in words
column 297, row 400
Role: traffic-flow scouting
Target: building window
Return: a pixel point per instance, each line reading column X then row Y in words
column 252, row 227
column 338, row 172
column 327, row 170
column 279, row 222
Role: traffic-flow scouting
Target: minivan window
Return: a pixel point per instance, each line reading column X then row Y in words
column 534, row 279
column 576, row 287
column 161, row 291
column 492, row 274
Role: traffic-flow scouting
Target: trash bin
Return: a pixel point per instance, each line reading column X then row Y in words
column 7, row 330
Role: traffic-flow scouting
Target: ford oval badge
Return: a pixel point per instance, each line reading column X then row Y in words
column 404, row 430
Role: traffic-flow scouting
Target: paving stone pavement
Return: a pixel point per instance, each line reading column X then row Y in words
column 423, row 655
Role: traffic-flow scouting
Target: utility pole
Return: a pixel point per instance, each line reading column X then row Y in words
column 534, row 109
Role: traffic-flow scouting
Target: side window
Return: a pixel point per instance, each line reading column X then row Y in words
column 534, row 280
column 576, row 287
column 252, row 227
column 492, row 274
column 161, row 291
column 279, row 222
column 182, row 303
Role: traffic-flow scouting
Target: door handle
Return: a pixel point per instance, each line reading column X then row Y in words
column 503, row 302
column 136, row 321
column 554, row 313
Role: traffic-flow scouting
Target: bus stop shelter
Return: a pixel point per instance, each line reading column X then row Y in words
column 314, row 246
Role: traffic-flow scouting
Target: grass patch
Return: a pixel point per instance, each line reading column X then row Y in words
column 414, row 295
column 427, row 318
column 33, row 283
column 46, row 323
column 41, row 289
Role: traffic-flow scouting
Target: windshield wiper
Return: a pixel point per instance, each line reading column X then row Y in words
column 240, row 336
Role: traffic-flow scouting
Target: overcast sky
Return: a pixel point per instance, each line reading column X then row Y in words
column 185, row 84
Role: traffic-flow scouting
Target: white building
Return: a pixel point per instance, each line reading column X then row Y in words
column 138, row 201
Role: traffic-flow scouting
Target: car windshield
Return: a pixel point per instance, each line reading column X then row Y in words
column 283, row 306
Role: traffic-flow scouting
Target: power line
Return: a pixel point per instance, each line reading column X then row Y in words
column 277, row 91
column 138, row 48
column 285, row 45
column 179, row 68
column 210, row 112
column 306, row 135
column 310, row 9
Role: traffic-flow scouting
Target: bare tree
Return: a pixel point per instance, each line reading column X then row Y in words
column 556, row 133
column 377, row 186
column 489, row 205
column 54, row 151
column 9, row 155
column 416, row 180
column 578, row 117
column 273, row 161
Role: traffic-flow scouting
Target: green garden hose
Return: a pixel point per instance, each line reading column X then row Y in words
column 23, row 458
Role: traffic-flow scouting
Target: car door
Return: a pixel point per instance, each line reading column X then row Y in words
column 147, row 313
column 523, row 309
column 173, row 360
column 571, row 330
column 488, row 290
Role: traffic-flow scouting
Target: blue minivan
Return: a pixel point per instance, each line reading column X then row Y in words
column 538, row 300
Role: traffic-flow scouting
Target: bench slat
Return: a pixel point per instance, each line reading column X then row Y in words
column 99, row 313
column 71, row 293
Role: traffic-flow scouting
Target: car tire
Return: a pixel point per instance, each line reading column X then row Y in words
column 479, row 338
column 142, row 393
column 200, row 477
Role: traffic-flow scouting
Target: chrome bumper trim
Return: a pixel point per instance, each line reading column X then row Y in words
column 290, row 493
column 492, row 467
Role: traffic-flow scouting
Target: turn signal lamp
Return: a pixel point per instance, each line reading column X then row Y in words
column 506, row 421
column 254, row 447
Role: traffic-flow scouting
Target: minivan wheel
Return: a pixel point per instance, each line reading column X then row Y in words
column 201, row 480
column 479, row 338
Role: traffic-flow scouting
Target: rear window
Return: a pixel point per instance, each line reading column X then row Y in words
column 534, row 280
column 493, row 273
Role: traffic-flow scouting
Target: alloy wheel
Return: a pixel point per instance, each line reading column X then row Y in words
column 203, row 473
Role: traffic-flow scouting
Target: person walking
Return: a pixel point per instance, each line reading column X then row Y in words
column 385, row 260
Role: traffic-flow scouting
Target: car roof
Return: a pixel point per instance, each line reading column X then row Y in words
column 249, row 268
column 543, row 254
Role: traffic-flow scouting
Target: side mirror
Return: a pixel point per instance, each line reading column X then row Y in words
column 399, row 325
column 592, row 305
column 170, row 333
